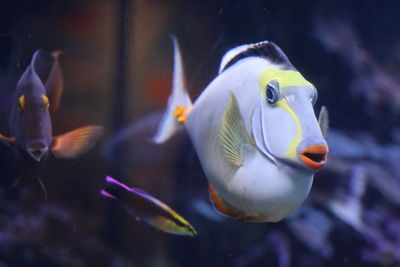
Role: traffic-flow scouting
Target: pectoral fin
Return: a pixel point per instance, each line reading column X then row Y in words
column 233, row 133
column 9, row 140
column 323, row 120
column 77, row 142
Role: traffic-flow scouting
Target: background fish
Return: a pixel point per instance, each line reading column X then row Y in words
column 147, row 208
column 36, row 98
column 254, row 130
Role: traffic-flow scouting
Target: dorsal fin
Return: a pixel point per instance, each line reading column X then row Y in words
column 48, row 69
column 265, row 49
column 41, row 63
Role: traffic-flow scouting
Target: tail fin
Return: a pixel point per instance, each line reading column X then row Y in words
column 114, row 188
column 178, row 102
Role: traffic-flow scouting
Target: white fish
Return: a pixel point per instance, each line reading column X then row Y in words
column 254, row 130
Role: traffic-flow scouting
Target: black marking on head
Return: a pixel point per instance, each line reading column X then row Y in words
column 267, row 50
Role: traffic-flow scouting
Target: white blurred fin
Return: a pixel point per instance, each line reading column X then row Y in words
column 179, row 103
column 323, row 120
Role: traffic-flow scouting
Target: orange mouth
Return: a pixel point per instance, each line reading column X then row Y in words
column 315, row 157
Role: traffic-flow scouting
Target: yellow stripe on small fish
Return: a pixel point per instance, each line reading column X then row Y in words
column 179, row 227
column 169, row 226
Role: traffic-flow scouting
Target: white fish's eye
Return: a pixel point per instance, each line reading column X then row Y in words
column 272, row 92
column 314, row 97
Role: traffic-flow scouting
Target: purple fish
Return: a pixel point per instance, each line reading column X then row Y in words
column 36, row 98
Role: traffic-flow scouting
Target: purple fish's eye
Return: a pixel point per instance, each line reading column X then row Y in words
column 21, row 103
column 45, row 101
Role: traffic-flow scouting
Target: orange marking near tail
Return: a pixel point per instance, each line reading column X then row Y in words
column 181, row 112
column 178, row 110
column 220, row 205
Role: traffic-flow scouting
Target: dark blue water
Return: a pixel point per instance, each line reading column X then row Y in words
column 117, row 66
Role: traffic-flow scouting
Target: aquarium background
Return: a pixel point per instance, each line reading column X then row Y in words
column 117, row 65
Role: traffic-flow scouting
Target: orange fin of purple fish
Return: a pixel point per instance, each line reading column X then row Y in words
column 10, row 140
column 221, row 205
column 147, row 208
column 77, row 142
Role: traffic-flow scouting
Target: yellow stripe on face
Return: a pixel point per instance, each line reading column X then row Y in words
column 291, row 152
column 285, row 78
